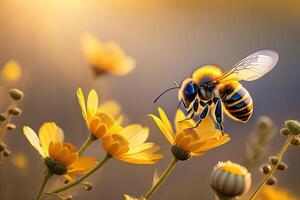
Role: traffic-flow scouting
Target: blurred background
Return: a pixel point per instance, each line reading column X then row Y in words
column 168, row 39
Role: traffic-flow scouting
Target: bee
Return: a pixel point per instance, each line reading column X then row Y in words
column 209, row 87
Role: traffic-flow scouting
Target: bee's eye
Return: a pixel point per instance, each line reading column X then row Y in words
column 190, row 91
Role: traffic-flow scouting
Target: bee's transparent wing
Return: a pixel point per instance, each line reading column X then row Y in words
column 250, row 68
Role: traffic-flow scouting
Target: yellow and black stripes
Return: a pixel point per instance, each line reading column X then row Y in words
column 238, row 102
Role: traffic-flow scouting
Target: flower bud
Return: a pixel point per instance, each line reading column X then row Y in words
column 87, row 186
column 15, row 111
column 16, row 94
column 2, row 146
column 180, row 154
column 295, row 141
column 282, row 166
column 11, row 126
column 285, row 131
column 265, row 169
column 6, row 152
column 293, row 126
column 271, row 181
column 230, row 180
column 273, row 160
column 2, row 117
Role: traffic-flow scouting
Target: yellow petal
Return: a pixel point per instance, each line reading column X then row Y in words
column 141, row 148
column 62, row 155
column 123, row 67
column 106, row 119
column 130, row 130
column 165, row 120
column 206, row 124
column 112, row 107
column 81, row 101
column 138, row 138
column 70, row 159
column 50, row 132
column 180, row 125
column 92, row 102
column 34, row 140
column 163, row 128
column 82, row 165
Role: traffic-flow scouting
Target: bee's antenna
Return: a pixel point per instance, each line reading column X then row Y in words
column 175, row 83
column 172, row 88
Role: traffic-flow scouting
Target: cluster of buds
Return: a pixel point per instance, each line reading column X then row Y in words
column 292, row 128
column 230, row 180
column 5, row 119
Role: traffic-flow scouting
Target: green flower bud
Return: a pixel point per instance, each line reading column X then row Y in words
column 273, row 160
column 16, row 94
column 295, row 141
column 180, row 154
column 293, row 126
column 285, row 131
column 271, row 181
column 15, row 111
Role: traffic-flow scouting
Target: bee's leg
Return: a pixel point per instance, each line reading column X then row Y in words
column 193, row 110
column 219, row 113
column 202, row 115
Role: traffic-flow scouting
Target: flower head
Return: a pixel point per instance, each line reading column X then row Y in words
column 106, row 58
column 99, row 122
column 187, row 141
column 61, row 158
column 129, row 145
column 230, row 180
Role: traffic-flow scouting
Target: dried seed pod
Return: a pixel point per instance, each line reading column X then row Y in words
column 87, row 186
column 285, row 131
column 293, row 126
column 230, row 180
column 2, row 146
column 295, row 141
column 273, row 160
column 15, row 111
column 16, row 94
column 271, row 181
column 265, row 169
column 2, row 117
column 6, row 152
column 282, row 166
column 11, row 126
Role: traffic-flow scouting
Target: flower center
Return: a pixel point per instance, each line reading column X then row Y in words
column 55, row 167
column 180, row 154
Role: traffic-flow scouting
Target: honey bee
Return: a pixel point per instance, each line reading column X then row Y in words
column 209, row 86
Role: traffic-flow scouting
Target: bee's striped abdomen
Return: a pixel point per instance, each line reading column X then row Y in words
column 237, row 102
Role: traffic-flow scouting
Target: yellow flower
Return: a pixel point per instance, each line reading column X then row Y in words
column 61, row 158
column 273, row 193
column 99, row 122
column 187, row 141
column 11, row 72
column 129, row 145
column 106, row 58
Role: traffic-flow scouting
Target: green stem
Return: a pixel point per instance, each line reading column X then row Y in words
column 76, row 182
column 86, row 144
column 162, row 178
column 279, row 156
column 47, row 176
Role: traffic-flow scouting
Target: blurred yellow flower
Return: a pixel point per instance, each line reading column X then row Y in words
column 19, row 160
column 61, row 158
column 105, row 58
column 99, row 122
column 113, row 108
column 11, row 71
column 127, row 197
column 186, row 140
column 275, row 193
column 128, row 145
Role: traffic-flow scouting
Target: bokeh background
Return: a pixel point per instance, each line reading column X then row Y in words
column 168, row 40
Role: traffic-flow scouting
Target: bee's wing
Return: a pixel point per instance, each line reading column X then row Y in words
column 250, row 68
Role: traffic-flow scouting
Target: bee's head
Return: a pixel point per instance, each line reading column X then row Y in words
column 188, row 92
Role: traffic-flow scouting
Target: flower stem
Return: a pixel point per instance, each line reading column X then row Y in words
column 274, row 167
column 47, row 176
column 76, row 182
column 86, row 144
column 166, row 173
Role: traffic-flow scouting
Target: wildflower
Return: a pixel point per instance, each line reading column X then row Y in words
column 275, row 193
column 106, row 58
column 230, row 180
column 11, row 72
column 186, row 141
column 129, row 145
column 61, row 158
